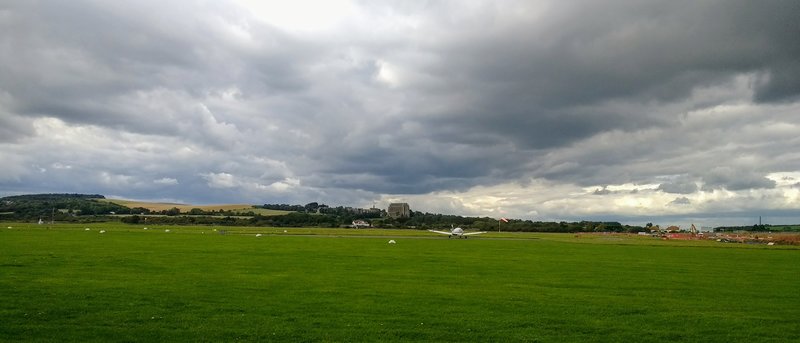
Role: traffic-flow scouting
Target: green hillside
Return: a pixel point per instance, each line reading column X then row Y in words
column 57, row 206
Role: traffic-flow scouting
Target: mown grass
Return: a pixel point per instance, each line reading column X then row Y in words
column 193, row 284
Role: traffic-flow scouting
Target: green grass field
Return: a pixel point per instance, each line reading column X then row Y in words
column 193, row 284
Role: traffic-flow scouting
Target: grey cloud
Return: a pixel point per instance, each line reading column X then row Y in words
column 735, row 179
column 409, row 166
column 101, row 64
column 603, row 191
column 680, row 201
column 13, row 128
column 482, row 96
column 680, row 185
column 531, row 77
column 781, row 83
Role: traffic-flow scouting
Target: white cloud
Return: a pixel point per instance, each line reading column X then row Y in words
column 221, row 180
column 59, row 165
column 166, row 181
column 116, row 180
column 285, row 185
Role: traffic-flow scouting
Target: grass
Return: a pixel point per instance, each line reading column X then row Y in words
column 193, row 284
column 158, row 206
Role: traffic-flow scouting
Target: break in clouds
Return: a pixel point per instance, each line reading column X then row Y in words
column 543, row 110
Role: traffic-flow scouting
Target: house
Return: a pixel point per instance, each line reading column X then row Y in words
column 360, row 223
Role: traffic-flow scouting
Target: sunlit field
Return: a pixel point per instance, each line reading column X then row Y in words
column 159, row 206
column 66, row 283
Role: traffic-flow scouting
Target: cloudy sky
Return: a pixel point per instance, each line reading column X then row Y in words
column 638, row 111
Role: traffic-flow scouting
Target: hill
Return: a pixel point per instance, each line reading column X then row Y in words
column 55, row 206
column 71, row 207
column 95, row 207
column 187, row 208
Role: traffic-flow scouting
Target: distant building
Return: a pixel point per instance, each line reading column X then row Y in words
column 399, row 210
column 360, row 223
column 357, row 210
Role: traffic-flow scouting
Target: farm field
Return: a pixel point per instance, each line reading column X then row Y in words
column 64, row 283
column 157, row 206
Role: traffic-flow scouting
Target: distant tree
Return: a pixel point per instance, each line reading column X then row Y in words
column 312, row 207
column 140, row 210
column 134, row 219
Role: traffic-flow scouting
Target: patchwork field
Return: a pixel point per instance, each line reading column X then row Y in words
column 64, row 283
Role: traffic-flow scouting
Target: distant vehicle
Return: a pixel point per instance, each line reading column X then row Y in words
column 457, row 232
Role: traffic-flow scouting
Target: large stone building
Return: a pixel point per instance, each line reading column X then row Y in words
column 399, row 210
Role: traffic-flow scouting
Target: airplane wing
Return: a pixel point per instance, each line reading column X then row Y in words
column 441, row 232
column 473, row 233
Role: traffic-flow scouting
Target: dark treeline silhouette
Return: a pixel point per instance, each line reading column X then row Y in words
column 759, row 228
column 284, row 207
column 440, row 221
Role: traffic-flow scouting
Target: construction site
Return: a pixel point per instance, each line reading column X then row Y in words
column 743, row 237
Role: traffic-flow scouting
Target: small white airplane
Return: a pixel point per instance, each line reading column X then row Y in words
column 457, row 232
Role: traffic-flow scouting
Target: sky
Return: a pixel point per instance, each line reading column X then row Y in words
column 671, row 112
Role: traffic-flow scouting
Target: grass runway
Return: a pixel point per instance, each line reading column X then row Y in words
column 193, row 284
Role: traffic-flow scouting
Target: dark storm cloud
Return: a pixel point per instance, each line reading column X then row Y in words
column 404, row 98
column 545, row 83
column 412, row 164
column 107, row 63
column 530, row 79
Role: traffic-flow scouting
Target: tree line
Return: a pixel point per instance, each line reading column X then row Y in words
column 56, row 206
column 759, row 228
column 89, row 207
column 416, row 221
